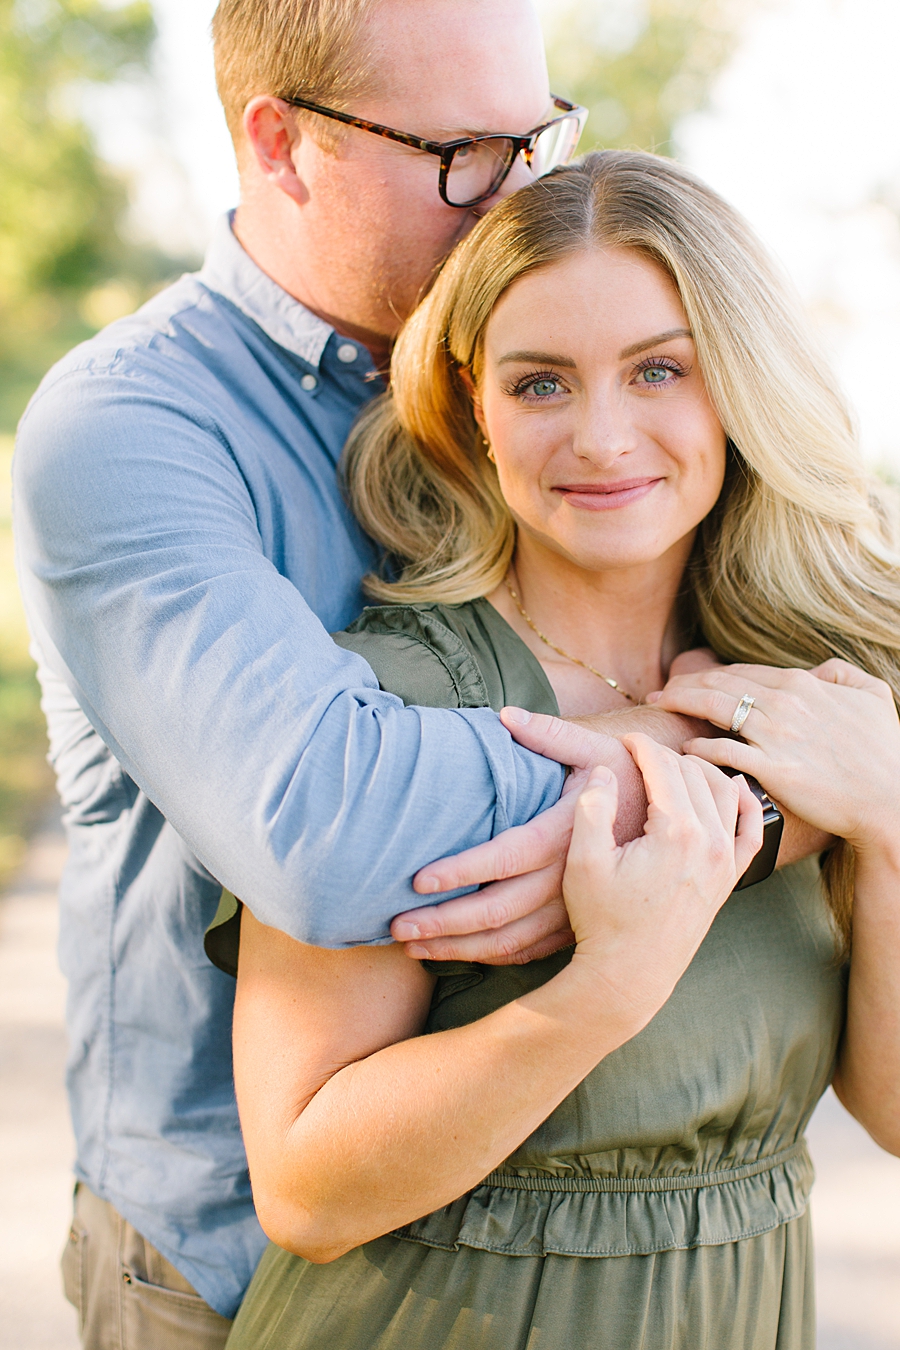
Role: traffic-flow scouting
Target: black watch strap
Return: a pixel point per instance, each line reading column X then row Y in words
column 763, row 865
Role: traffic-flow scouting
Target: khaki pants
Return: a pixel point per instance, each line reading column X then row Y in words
column 127, row 1295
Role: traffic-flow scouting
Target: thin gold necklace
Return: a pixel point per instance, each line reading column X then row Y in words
column 585, row 665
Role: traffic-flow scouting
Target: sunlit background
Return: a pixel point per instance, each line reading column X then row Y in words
column 115, row 162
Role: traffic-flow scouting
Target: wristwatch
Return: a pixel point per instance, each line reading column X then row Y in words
column 763, row 865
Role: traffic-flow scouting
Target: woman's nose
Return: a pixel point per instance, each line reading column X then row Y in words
column 605, row 428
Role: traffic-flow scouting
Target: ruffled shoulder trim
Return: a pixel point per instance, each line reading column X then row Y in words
column 542, row 1215
column 416, row 656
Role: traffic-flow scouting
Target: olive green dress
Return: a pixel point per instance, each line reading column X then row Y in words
column 663, row 1204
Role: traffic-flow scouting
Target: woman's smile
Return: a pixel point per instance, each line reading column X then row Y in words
column 607, row 496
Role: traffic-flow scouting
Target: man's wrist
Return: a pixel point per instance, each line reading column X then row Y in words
column 671, row 729
column 632, row 808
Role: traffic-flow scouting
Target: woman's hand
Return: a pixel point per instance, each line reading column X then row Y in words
column 824, row 743
column 640, row 911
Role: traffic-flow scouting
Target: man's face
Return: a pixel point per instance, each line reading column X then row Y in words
column 376, row 225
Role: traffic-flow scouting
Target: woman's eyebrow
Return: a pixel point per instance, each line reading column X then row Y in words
column 539, row 358
column 642, row 346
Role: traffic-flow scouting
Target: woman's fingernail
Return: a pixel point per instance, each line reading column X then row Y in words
column 653, row 697
column 417, row 952
column 402, row 931
column 520, row 716
column 601, row 776
column 427, row 885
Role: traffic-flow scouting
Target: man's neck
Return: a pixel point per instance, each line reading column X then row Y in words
column 277, row 254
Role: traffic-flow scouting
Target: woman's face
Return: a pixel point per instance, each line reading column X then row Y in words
column 608, row 449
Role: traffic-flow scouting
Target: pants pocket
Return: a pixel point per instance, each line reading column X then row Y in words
column 156, row 1318
column 73, row 1265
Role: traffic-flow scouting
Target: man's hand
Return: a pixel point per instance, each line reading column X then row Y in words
column 519, row 914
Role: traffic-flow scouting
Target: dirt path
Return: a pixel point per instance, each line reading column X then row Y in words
column 856, row 1210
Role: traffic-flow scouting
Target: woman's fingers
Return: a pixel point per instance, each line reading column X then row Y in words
column 728, row 754
column 837, row 671
column 593, row 849
column 713, row 696
column 714, row 795
column 523, row 848
column 728, row 804
column 749, row 833
column 595, row 814
column 693, row 795
column 545, row 930
column 661, row 769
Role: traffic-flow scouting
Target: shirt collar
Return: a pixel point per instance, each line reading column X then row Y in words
column 231, row 272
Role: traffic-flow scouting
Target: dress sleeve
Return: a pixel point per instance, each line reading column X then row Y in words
column 222, row 938
column 417, row 657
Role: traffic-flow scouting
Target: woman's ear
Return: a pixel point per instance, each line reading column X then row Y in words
column 465, row 374
column 273, row 137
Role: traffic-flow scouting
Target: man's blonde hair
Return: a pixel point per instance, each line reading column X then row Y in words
column 796, row 562
column 308, row 49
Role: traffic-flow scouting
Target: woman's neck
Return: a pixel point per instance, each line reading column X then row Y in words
column 623, row 622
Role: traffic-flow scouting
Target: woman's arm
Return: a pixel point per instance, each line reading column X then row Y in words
column 355, row 1123
column 826, row 743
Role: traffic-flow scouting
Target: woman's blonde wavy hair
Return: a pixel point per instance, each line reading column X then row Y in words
column 796, row 563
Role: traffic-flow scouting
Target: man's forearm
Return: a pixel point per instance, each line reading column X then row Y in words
column 669, row 729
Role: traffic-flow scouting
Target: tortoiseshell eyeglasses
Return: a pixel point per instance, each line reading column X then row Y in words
column 473, row 167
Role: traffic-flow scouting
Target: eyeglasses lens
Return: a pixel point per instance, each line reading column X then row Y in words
column 477, row 170
column 555, row 146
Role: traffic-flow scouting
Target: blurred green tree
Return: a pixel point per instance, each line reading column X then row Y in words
column 59, row 204
column 638, row 65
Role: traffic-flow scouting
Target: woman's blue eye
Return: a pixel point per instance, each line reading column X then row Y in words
column 544, row 388
column 656, row 374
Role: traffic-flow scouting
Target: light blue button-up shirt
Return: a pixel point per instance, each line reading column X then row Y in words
column 183, row 552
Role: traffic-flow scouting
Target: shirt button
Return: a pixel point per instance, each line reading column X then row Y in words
column 346, row 352
column 308, row 383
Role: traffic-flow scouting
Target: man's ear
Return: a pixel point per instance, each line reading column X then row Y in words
column 465, row 374
column 270, row 127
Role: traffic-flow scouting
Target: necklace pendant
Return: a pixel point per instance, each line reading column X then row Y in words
column 607, row 679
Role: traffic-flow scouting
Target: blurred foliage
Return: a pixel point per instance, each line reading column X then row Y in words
column 638, row 65
column 60, row 206
column 25, row 777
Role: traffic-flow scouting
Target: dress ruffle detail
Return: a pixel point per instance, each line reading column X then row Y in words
column 422, row 626
column 542, row 1215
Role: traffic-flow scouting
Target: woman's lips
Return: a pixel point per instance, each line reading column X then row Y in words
column 606, row 496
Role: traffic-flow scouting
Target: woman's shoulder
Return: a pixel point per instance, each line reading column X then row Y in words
column 417, row 653
column 449, row 656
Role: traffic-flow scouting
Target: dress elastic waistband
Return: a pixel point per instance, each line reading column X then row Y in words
column 542, row 1215
column 695, row 1181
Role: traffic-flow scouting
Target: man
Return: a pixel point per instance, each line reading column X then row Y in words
column 184, row 551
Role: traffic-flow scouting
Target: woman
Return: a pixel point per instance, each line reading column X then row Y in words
column 609, row 439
